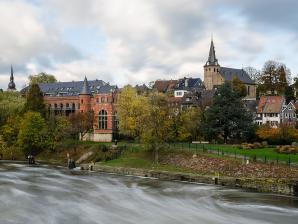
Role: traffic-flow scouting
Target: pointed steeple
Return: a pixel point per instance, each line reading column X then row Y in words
column 11, row 85
column 212, row 60
column 85, row 89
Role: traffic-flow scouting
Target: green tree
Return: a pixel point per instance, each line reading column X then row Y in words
column 158, row 128
column 42, row 78
column 59, row 129
column 33, row 134
column 11, row 105
column 132, row 112
column 227, row 117
column 189, row 124
column 10, row 130
column 34, row 100
column 289, row 94
column 239, row 87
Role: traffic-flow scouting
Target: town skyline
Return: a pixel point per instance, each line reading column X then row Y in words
column 138, row 42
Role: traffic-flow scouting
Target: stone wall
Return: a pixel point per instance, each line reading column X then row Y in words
column 266, row 185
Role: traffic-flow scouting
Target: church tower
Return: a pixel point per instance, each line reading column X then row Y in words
column 11, row 85
column 211, row 70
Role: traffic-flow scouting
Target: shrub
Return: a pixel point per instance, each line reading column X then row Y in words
column 287, row 149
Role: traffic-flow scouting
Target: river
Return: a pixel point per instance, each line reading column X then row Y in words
column 50, row 195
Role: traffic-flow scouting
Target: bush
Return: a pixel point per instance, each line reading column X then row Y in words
column 287, row 149
column 255, row 145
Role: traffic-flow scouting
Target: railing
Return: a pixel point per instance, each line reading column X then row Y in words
column 255, row 155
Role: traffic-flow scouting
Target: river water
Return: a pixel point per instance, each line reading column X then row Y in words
column 46, row 194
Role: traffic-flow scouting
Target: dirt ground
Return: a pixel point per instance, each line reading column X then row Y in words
column 205, row 164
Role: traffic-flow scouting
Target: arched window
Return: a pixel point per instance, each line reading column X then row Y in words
column 103, row 120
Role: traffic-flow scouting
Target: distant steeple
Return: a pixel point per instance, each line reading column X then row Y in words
column 85, row 89
column 212, row 60
column 11, row 85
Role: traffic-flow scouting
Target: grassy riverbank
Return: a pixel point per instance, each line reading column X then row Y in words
column 181, row 158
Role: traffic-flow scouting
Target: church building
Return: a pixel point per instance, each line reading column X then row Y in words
column 215, row 75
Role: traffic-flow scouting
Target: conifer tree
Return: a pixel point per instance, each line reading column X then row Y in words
column 227, row 118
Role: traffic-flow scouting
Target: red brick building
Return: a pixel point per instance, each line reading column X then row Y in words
column 83, row 96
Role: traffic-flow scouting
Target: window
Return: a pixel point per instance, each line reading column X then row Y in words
column 248, row 90
column 103, row 99
column 82, row 101
column 97, row 100
column 103, row 120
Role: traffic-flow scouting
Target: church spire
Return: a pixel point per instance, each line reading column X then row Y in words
column 85, row 89
column 11, row 85
column 212, row 60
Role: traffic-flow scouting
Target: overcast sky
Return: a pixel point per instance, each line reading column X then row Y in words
column 137, row 41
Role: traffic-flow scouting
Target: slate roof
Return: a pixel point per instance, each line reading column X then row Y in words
column 229, row 73
column 270, row 104
column 212, row 60
column 192, row 83
column 73, row 88
column 85, row 89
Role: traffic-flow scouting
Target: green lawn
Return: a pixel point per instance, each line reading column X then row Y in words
column 267, row 154
column 140, row 158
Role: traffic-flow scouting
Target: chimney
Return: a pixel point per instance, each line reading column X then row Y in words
column 185, row 82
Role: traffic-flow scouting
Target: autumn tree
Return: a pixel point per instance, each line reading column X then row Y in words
column 189, row 124
column 11, row 105
column 81, row 123
column 10, row 130
column 274, row 78
column 33, row 134
column 284, row 134
column 227, row 117
column 42, row 78
column 157, row 128
column 34, row 100
column 253, row 73
column 132, row 111
column 59, row 128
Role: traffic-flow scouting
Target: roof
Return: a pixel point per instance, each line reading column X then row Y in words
column 190, row 83
column 270, row 104
column 229, row 73
column 73, row 88
column 212, row 60
column 165, row 85
column 85, row 89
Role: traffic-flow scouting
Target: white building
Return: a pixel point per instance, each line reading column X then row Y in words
column 269, row 110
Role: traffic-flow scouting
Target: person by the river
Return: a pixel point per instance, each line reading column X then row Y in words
column 70, row 162
column 31, row 160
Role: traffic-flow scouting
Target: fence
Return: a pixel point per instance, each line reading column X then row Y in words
column 260, row 155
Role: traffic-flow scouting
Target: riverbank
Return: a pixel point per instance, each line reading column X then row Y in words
column 205, row 168
column 265, row 185
column 185, row 165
